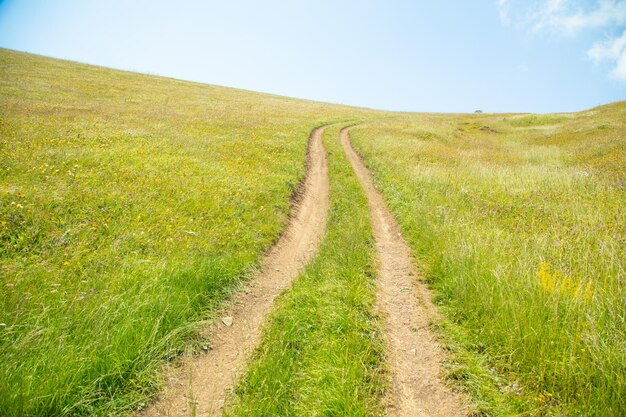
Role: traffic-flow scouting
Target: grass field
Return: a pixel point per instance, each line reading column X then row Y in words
column 132, row 206
column 519, row 222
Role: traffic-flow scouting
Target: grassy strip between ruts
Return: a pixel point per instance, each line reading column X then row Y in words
column 519, row 222
column 322, row 351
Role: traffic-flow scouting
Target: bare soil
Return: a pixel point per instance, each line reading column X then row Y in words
column 414, row 356
column 199, row 387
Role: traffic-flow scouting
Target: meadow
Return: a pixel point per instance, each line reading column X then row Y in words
column 132, row 207
column 519, row 225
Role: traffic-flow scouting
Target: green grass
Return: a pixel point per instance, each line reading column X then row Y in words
column 520, row 231
column 130, row 207
column 322, row 351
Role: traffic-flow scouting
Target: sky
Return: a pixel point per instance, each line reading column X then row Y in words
column 437, row 56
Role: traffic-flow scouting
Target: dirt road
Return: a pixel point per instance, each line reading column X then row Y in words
column 200, row 386
column 414, row 355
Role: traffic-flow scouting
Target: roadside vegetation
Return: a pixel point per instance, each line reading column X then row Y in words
column 130, row 207
column 519, row 224
column 322, row 351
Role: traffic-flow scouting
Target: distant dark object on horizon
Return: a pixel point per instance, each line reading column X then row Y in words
column 478, row 111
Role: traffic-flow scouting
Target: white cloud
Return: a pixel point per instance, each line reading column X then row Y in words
column 571, row 18
column 619, row 72
column 613, row 50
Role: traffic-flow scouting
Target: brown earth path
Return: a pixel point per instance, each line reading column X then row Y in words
column 414, row 356
column 199, row 387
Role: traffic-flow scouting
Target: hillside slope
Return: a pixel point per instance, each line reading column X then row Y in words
column 519, row 222
column 130, row 205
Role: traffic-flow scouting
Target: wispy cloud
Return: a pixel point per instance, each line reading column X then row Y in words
column 613, row 50
column 571, row 18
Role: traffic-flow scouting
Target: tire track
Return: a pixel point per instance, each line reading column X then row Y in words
column 200, row 386
column 414, row 357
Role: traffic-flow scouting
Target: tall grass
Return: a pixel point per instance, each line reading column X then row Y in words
column 322, row 351
column 520, row 224
column 130, row 207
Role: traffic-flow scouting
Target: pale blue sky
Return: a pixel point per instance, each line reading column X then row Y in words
column 445, row 56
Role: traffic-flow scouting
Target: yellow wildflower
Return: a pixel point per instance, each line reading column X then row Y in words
column 558, row 284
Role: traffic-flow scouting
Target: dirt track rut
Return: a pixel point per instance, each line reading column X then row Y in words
column 200, row 386
column 414, row 355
